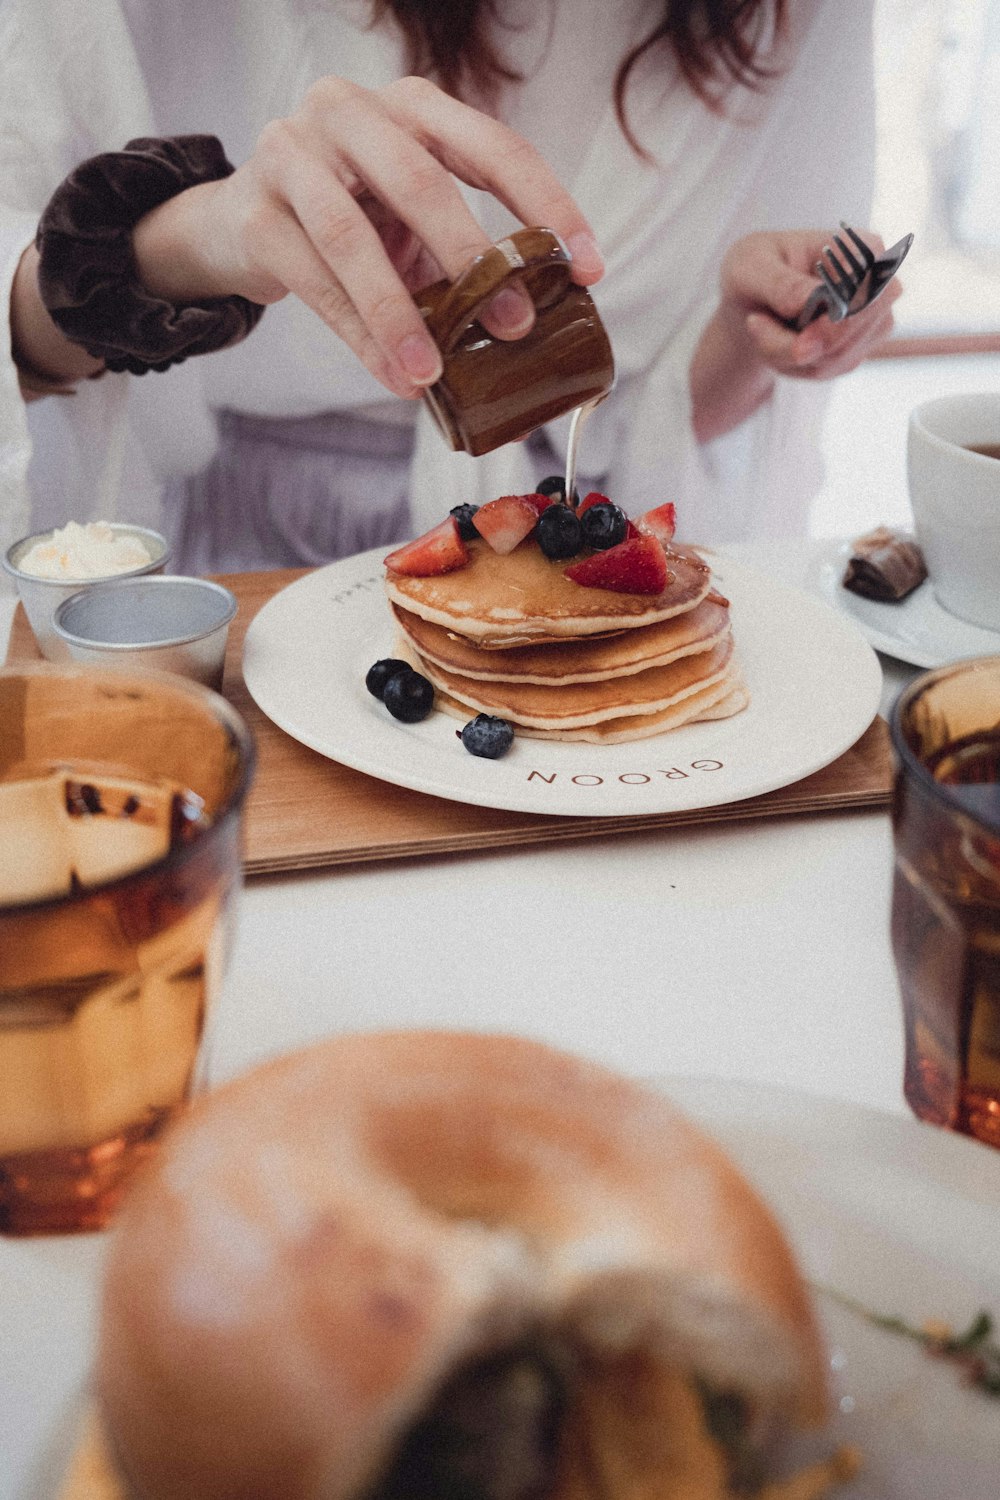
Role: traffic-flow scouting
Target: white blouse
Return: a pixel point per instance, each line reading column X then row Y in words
column 78, row 79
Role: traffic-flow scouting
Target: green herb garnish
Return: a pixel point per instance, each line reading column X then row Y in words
column 976, row 1353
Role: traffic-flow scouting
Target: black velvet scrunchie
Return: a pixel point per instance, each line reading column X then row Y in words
column 86, row 271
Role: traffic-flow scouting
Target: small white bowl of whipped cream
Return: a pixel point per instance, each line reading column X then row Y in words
column 51, row 565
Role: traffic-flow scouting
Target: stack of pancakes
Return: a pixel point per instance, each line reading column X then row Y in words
column 514, row 637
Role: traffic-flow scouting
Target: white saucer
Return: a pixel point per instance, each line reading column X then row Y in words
column 917, row 630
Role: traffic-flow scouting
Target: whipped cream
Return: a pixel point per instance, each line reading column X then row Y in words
column 90, row 551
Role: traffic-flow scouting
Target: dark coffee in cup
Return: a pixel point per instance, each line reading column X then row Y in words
column 495, row 391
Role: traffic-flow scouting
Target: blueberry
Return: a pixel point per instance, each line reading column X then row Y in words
column 487, row 736
column 559, row 532
column 555, row 485
column 463, row 516
column 604, row 525
column 379, row 675
column 409, row 696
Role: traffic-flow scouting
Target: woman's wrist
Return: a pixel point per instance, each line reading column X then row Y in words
column 172, row 247
column 88, row 277
column 46, row 358
column 729, row 378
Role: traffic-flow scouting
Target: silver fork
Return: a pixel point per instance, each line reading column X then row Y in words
column 849, row 285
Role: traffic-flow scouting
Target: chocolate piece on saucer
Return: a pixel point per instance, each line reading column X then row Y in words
column 884, row 566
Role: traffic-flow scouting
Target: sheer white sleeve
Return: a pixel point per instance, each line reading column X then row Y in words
column 807, row 162
column 72, row 87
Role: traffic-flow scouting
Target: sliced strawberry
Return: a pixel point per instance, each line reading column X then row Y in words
column 661, row 522
column 540, row 502
column 439, row 550
column 594, row 498
column 631, row 530
column 633, row 567
column 505, row 522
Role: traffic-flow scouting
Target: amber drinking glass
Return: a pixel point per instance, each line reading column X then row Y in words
column 120, row 803
column 946, row 894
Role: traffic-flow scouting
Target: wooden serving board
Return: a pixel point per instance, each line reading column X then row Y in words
column 307, row 812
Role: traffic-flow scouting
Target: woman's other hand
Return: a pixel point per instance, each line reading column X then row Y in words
column 766, row 279
column 351, row 203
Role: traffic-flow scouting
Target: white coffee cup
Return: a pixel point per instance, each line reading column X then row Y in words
column 955, row 495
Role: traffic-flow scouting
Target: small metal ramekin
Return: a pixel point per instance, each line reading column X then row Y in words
column 170, row 623
column 41, row 597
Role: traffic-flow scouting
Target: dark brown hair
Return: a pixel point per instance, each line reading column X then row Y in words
column 716, row 43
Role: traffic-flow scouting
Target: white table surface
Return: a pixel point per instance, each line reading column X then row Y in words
column 754, row 951
column 757, row 951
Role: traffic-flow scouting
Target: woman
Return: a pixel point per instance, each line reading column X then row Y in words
column 682, row 148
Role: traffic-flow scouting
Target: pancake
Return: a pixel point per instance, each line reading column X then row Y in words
column 525, row 598
column 734, row 702
column 580, row 705
column 591, row 659
column 509, row 635
column 720, row 700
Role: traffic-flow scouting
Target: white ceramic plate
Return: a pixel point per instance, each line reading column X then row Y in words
column 814, row 689
column 903, row 1218
column 917, row 630
column 898, row 1215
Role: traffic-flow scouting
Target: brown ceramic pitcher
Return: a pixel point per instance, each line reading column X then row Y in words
column 494, row 391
